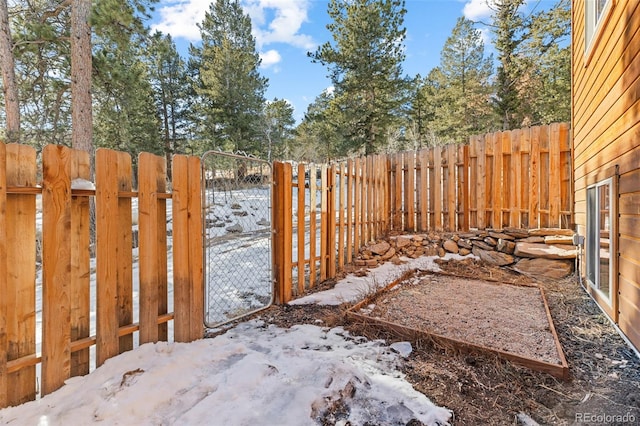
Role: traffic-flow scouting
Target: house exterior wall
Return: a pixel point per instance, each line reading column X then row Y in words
column 606, row 140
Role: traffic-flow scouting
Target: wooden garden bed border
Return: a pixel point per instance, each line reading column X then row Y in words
column 560, row 371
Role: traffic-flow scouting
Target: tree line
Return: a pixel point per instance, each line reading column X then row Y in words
column 92, row 74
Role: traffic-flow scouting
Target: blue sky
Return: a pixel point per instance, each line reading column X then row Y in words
column 286, row 30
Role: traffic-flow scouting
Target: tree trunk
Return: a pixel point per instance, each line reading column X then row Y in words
column 7, row 63
column 81, row 110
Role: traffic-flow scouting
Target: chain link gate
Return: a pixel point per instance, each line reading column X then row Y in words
column 237, row 229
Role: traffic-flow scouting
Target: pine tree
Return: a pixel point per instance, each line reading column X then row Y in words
column 365, row 65
column 464, row 106
column 230, row 86
column 278, row 128
column 9, row 83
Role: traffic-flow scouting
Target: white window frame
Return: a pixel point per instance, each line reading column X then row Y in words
column 592, row 256
column 593, row 21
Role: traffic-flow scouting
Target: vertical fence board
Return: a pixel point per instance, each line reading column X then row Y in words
column 20, row 210
column 566, row 193
column 409, row 190
column 187, row 249
column 349, row 184
column 180, row 220
column 463, row 188
column 341, row 213
column 437, row 186
column 474, row 182
column 125, row 255
column 151, row 172
column 107, row 231
column 482, row 181
column 525, row 188
column 56, row 267
column 301, row 227
column 324, row 222
column 331, row 208
column 543, row 188
column 312, row 225
column 555, row 183
column 364, row 217
column 497, row 188
column 80, row 265
column 4, row 288
column 161, row 249
column 196, row 249
column 451, row 187
column 422, row 185
column 506, row 201
column 534, row 161
column 357, row 204
column 397, row 202
column 516, row 175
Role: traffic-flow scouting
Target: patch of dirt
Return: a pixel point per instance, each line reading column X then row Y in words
column 481, row 389
column 492, row 315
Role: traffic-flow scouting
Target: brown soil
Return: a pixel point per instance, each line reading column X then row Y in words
column 492, row 315
column 484, row 390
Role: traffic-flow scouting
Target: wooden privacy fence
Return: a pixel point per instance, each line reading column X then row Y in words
column 66, row 274
column 325, row 214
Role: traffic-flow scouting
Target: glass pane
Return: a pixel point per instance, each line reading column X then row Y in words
column 605, row 238
column 600, row 4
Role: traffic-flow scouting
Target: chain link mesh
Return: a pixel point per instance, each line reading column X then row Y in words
column 237, row 221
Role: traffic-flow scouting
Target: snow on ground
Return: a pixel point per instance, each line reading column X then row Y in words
column 353, row 288
column 254, row 374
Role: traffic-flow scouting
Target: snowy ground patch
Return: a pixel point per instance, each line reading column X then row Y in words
column 255, row 374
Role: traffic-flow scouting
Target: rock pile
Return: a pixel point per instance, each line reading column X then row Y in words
column 545, row 252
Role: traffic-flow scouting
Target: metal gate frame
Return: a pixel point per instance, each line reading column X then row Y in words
column 241, row 156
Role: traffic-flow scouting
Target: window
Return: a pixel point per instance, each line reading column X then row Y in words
column 594, row 12
column 599, row 261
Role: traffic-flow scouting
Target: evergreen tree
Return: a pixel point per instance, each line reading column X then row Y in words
column 170, row 83
column 9, row 83
column 278, row 128
column 365, row 64
column 318, row 137
column 230, row 86
column 463, row 107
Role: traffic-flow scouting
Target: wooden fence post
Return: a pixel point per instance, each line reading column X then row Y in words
column 80, row 264
column 534, row 165
column 125, row 256
column 451, row 187
column 312, row 224
column 301, row 227
column 349, row 184
column 56, row 267
column 187, row 249
column 4, row 288
column 331, row 222
column 107, row 231
column 152, row 231
column 282, row 221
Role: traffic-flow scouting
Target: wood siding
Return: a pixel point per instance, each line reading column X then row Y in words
column 606, row 134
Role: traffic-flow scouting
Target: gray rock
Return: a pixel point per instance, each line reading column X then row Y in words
column 234, row 228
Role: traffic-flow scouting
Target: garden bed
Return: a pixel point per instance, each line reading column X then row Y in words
column 473, row 315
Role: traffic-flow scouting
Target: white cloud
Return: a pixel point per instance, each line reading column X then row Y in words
column 270, row 58
column 273, row 21
column 288, row 17
column 476, row 10
column 180, row 18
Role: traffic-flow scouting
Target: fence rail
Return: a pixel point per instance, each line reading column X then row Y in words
column 66, row 283
column 513, row 179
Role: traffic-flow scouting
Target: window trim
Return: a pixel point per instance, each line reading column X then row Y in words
column 608, row 304
column 590, row 45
